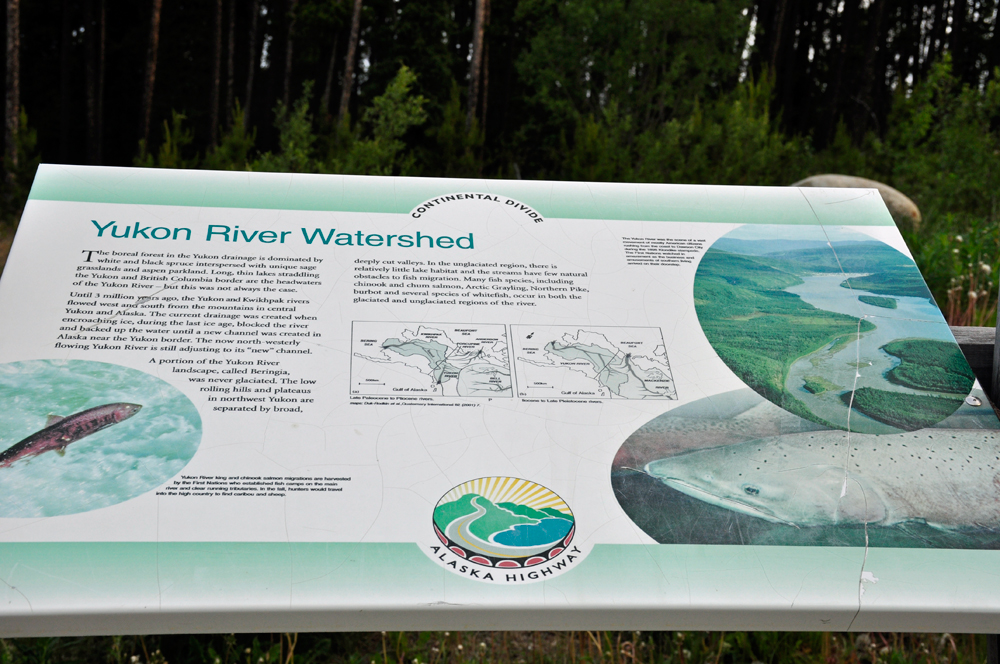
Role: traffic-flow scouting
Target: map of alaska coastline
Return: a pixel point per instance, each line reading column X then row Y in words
column 464, row 360
column 616, row 363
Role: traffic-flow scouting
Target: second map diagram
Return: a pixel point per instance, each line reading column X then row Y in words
column 471, row 360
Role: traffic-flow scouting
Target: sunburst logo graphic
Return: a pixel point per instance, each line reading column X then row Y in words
column 504, row 522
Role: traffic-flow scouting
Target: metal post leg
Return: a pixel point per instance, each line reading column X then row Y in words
column 995, row 387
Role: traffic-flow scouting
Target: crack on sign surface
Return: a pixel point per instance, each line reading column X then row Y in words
column 18, row 590
column 863, row 575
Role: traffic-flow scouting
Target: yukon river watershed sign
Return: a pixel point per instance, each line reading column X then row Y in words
column 504, row 530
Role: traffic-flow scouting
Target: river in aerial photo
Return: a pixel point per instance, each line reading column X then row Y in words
column 840, row 362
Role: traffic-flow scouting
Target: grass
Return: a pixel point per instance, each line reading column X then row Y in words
column 505, row 648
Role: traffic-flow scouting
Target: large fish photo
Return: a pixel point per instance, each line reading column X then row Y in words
column 861, row 422
column 736, row 469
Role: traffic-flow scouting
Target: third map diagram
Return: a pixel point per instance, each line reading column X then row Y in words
column 591, row 362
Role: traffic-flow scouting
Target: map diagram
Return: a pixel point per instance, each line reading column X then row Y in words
column 430, row 359
column 591, row 362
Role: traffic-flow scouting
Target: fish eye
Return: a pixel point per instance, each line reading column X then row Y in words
column 751, row 490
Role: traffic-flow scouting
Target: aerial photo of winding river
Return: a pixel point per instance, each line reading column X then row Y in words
column 831, row 325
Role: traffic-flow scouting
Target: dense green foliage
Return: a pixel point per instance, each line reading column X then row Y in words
column 646, row 91
column 900, row 409
column 876, row 301
column 930, row 365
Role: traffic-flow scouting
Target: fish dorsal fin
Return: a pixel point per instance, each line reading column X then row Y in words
column 61, row 451
column 52, row 419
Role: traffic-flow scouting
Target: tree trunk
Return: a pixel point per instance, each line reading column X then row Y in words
column 65, row 80
column 486, row 82
column 848, row 29
column 149, row 79
column 937, row 33
column 959, row 39
column 12, row 107
column 99, row 130
column 213, row 95
column 486, row 65
column 864, row 98
column 476, row 63
column 352, row 48
column 791, row 61
column 286, row 90
column 324, row 102
column 252, row 63
column 779, row 26
column 90, row 76
column 230, row 45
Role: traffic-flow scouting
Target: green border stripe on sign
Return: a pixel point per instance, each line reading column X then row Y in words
column 398, row 195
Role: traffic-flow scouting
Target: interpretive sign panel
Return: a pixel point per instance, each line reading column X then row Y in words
column 250, row 401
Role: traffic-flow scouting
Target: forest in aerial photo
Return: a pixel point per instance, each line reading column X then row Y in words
column 836, row 327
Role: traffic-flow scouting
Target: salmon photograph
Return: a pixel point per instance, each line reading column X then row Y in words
column 92, row 434
column 734, row 468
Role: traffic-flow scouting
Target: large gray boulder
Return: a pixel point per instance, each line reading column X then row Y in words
column 903, row 210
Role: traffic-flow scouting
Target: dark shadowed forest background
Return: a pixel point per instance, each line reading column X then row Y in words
column 707, row 91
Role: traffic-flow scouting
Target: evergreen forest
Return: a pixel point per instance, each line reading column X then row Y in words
column 681, row 91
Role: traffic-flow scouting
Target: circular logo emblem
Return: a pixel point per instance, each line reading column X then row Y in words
column 504, row 522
